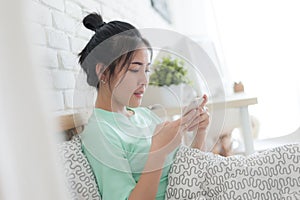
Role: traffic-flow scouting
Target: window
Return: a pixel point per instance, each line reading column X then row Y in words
column 261, row 46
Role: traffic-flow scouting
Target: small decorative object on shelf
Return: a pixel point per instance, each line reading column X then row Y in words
column 238, row 87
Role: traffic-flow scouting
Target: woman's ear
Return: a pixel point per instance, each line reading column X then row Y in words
column 100, row 71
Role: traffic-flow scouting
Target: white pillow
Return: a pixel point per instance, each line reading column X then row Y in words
column 82, row 182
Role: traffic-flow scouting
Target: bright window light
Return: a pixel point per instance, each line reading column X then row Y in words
column 261, row 46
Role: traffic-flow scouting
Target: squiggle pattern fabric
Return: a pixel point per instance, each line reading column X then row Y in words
column 271, row 175
column 81, row 180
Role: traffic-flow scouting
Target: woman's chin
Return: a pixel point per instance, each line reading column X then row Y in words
column 135, row 104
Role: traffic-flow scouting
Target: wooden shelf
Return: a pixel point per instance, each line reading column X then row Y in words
column 71, row 121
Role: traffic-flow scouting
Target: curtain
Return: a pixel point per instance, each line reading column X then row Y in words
column 28, row 164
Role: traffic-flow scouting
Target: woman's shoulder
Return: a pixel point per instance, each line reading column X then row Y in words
column 99, row 128
column 143, row 110
column 146, row 112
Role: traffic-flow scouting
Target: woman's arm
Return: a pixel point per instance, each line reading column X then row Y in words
column 203, row 122
column 147, row 186
column 199, row 140
column 166, row 138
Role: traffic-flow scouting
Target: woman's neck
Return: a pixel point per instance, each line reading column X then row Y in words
column 107, row 103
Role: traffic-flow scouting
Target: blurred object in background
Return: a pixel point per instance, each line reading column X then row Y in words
column 223, row 145
column 231, row 142
column 238, row 87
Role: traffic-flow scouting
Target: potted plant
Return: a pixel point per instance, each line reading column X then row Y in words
column 168, row 83
column 169, row 71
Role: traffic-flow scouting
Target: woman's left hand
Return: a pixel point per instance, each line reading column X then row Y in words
column 201, row 122
column 200, row 125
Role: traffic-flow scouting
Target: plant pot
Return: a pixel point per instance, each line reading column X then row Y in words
column 169, row 96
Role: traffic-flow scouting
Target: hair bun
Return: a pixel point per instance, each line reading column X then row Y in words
column 93, row 21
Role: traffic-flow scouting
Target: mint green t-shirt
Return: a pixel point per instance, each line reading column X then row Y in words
column 117, row 148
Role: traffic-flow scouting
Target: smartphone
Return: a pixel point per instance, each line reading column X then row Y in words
column 193, row 104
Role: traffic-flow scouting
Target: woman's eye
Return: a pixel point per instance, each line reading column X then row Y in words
column 134, row 70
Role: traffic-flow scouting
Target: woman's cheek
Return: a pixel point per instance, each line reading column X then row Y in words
column 126, row 88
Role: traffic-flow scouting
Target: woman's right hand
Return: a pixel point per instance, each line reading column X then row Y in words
column 168, row 135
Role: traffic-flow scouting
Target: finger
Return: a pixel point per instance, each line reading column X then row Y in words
column 205, row 101
column 189, row 116
column 201, row 126
column 204, row 119
column 198, row 121
column 204, row 124
column 201, row 121
column 200, row 118
column 193, row 128
column 195, row 122
column 204, row 111
column 190, row 126
column 184, row 121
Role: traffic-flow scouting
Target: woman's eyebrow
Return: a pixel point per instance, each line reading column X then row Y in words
column 139, row 63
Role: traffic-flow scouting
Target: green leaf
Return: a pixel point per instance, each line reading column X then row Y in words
column 168, row 71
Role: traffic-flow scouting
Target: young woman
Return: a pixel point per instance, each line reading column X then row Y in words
column 128, row 147
column 134, row 155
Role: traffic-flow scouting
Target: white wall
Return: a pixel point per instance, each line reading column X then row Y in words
column 196, row 19
column 59, row 36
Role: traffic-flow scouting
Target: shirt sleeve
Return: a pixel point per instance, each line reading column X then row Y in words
column 108, row 160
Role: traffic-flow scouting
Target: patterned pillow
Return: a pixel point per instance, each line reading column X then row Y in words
column 271, row 174
column 82, row 184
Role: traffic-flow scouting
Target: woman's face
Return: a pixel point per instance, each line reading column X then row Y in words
column 129, row 86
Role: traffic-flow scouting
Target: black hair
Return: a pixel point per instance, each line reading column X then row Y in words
column 118, row 40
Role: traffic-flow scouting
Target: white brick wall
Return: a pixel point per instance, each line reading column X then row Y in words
column 57, row 39
column 59, row 36
column 77, row 44
column 67, row 60
column 63, row 79
column 74, row 10
column 63, row 22
column 56, row 4
column 46, row 57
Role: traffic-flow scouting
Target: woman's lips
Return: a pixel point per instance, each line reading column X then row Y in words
column 138, row 94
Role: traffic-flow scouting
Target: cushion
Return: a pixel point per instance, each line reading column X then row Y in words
column 271, row 174
column 79, row 174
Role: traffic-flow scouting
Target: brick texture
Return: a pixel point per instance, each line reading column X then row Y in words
column 59, row 36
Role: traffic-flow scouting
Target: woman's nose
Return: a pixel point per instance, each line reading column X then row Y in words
column 144, row 79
